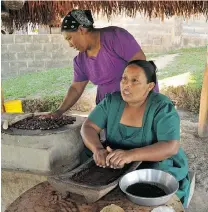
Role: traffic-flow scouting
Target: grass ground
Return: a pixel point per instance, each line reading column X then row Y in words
column 190, row 60
column 53, row 84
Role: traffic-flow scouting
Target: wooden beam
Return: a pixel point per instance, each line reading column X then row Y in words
column 203, row 112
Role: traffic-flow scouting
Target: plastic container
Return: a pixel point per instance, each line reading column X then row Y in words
column 13, row 106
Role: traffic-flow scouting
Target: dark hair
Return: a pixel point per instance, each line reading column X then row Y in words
column 75, row 18
column 149, row 69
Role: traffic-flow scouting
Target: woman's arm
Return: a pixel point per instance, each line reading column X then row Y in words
column 96, row 121
column 90, row 135
column 72, row 96
column 89, row 132
column 155, row 152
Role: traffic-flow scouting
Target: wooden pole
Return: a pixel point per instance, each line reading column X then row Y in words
column 203, row 112
column 2, row 102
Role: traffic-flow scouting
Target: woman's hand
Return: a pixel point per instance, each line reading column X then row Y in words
column 118, row 158
column 55, row 115
column 99, row 157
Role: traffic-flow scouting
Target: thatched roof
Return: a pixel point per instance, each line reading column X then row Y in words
column 50, row 12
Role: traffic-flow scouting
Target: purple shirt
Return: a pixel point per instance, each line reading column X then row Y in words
column 105, row 70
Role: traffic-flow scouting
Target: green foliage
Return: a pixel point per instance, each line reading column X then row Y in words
column 45, row 104
column 186, row 97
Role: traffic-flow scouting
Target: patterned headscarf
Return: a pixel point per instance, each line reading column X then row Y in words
column 75, row 18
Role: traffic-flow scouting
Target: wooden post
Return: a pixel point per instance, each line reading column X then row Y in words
column 2, row 102
column 203, row 112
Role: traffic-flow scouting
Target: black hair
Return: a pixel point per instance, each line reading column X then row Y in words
column 149, row 69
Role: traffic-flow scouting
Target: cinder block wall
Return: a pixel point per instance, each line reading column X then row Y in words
column 195, row 32
column 29, row 53
column 157, row 36
column 153, row 35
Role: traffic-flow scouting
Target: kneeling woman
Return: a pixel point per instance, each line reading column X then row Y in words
column 141, row 125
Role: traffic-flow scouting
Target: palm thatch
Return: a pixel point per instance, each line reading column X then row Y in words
column 50, row 12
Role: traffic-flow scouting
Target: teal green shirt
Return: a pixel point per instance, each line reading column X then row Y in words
column 160, row 123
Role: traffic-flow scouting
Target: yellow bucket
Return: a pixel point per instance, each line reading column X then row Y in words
column 13, row 106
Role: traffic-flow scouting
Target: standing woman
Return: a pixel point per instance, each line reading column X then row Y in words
column 103, row 55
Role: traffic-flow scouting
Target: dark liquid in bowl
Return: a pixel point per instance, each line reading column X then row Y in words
column 146, row 190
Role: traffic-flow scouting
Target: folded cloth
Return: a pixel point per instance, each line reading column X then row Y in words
column 112, row 208
column 163, row 209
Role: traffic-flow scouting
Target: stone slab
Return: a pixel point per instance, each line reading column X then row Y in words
column 83, row 192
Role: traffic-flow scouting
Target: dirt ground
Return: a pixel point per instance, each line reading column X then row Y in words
column 197, row 151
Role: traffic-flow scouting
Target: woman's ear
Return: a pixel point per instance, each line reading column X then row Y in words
column 82, row 30
column 151, row 86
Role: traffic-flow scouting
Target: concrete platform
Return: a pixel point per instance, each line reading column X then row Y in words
column 45, row 152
